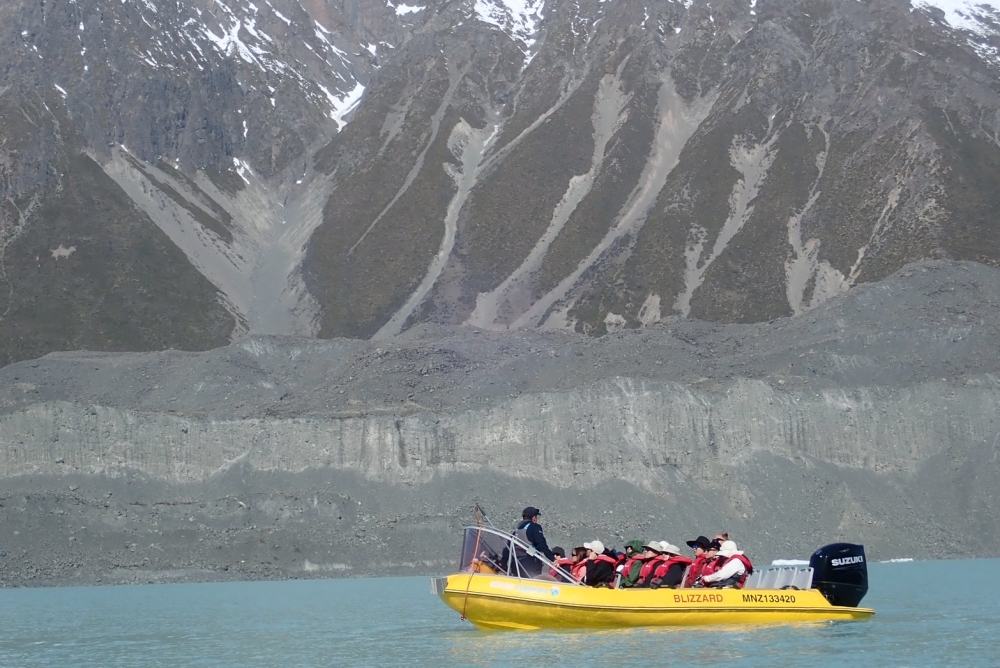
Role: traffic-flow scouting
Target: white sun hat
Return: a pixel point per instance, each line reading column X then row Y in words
column 669, row 547
column 597, row 546
column 728, row 549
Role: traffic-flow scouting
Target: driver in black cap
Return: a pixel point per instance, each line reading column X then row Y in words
column 532, row 531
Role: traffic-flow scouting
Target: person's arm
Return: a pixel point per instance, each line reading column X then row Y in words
column 538, row 541
column 732, row 567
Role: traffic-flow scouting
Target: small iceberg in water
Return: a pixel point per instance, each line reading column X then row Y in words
column 789, row 562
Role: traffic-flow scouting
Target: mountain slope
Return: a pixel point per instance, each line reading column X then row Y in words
column 724, row 162
column 355, row 169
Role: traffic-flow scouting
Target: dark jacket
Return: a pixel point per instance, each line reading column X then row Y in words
column 536, row 537
column 600, row 570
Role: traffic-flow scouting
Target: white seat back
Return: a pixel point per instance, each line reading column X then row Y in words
column 776, row 577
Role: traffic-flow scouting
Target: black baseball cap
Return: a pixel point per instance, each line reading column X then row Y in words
column 700, row 541
column 530, row 512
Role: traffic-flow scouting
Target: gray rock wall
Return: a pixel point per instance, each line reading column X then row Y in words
column 95, row 494
column 620, row 430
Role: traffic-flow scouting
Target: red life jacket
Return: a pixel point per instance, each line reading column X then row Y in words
column 696, row 570
column 630, row 563
column 747, row 566
column 663, row 568
column 565, row 564
column 712, row 565
column 606, row 558
column 579, row 570
column 649, row 567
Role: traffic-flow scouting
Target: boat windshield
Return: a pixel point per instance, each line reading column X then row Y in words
column 492, row 552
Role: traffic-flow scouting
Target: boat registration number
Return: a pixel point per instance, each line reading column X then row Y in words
column 769, row 598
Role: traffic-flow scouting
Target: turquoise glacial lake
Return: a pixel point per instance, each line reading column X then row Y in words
column 931, row 613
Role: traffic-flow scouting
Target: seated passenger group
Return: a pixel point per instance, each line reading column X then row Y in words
column 716, row 563
column 660, row 564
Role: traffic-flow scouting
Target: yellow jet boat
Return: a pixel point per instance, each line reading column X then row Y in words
column 492, row 590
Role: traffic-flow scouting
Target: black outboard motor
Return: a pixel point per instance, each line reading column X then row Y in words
column 840, row 572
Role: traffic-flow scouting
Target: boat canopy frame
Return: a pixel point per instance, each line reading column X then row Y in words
column 491, row 551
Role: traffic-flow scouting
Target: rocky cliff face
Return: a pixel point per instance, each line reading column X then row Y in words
column 872, row 418
column 184, row 174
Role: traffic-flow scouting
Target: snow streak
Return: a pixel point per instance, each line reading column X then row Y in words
column 518, row 19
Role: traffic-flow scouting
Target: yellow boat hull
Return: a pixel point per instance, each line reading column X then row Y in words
column 500, row 602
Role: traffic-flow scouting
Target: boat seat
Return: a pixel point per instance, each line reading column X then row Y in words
column 785, row 576
column 753, row 582
column 777, row 577
column 767, row 578
column 803, row 577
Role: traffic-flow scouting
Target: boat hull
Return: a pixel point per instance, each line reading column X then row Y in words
column 500, row 602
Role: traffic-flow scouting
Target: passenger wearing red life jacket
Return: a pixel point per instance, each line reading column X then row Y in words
column 670, row 571
column 654, row 557
column 637, row 557
column 734, row 571
column 579, row 563
column 705, row 550
column 600, row 565
column 713, row 562
column 561, row 562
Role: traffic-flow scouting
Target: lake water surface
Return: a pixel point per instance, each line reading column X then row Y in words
column 930, row 613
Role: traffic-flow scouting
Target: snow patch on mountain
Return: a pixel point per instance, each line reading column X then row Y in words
column 981, row 18
column 229, row 42
column 401, row 10
column 971, row 15
column 518, row 19
column 343, row 105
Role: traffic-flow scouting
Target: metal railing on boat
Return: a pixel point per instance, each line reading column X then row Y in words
column 491, row 551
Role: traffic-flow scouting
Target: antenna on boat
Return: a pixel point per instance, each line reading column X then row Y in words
column 481, row 515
